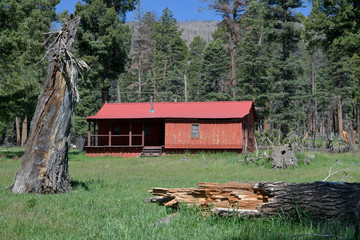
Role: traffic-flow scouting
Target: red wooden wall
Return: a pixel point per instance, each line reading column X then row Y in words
column 249, row 134
column 212, row 134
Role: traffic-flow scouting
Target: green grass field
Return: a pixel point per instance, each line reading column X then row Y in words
column 107, row 201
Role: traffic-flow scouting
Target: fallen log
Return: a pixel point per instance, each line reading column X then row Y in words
column 322, row 200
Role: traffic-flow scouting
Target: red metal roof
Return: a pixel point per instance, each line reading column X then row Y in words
column 199, row 110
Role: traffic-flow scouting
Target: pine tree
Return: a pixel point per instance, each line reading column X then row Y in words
column 22, row 25
column 215, row 69
column 232, row 13
column 167, row 39
column 335, row 26
column 103, row 42
column 286, row 72
column 254, row 57
column 196, row 54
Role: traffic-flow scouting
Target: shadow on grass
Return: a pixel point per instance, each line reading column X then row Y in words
column 79, row 184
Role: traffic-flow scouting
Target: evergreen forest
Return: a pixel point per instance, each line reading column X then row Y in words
column 302, row 72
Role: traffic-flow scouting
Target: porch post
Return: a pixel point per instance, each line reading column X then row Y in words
column 142, row 135
column 109, row 133
column 130, row 134
column 89, row 133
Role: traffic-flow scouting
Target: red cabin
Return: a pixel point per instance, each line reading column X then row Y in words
column 134, row 129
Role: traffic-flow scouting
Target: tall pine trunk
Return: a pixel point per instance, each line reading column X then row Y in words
column 118, row 90
column 17, row 126
column 165, row 69
column 139, row 78
column 233, row 67
column 340, row 119
column 313, row 80
column 44, row 168
column 185, row 86
column 266, row 126
column 24, row 131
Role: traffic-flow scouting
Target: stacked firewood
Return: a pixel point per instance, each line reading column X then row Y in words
column 326, row 200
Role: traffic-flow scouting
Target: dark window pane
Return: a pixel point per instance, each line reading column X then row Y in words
column 195, row 130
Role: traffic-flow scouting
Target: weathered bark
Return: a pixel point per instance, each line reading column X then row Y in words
column 44, row 168
column 322, row 200
column 24, row 132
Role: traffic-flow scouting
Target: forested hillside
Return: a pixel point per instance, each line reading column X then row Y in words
column 301, row 72
column 191, row 29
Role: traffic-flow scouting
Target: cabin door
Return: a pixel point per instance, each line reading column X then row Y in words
column 154, row 131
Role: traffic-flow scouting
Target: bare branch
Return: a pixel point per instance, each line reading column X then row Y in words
column 345, row 177
column 270, row 142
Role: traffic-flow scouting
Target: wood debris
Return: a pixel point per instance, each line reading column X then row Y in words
column 219, row 196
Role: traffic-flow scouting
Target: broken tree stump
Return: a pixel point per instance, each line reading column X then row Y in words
column 283, row 157
column 322, row 200
column 44, row 168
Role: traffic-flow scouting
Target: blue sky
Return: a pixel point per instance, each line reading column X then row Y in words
column 182, row 9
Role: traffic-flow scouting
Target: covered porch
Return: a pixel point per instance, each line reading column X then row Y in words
column 125, row 137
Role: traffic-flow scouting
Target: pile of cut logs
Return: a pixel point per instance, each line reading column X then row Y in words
column 326, row 200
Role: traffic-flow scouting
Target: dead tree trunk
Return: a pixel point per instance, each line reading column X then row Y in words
column 44, row 168
column 322, row 200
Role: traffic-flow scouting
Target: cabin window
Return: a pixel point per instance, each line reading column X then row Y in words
column 195, row 130
column 117, row 129
column 147, row 129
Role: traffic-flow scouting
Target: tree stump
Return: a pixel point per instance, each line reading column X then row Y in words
column 44, row 167
column 283, row 157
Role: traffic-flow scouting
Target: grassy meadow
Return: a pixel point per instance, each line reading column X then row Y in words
column 107, row 201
